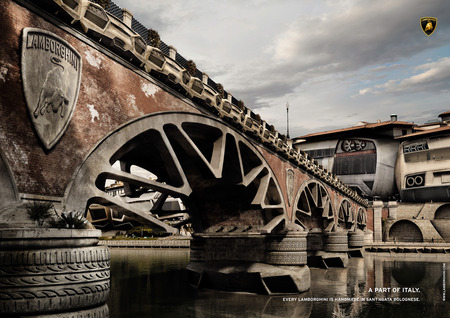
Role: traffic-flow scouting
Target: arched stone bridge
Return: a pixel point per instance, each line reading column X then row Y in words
column 71, row 108
column 124, row 114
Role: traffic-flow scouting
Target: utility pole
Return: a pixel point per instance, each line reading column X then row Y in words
column 287, row 119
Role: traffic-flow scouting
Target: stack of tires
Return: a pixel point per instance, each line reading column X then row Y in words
column 356, row 239
column 197, row 249
column 60, row 273
column 335, row 241
column 288, row 249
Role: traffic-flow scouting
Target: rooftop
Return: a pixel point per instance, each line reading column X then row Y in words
column 444, row 114
column 426, row 133
column 362, row 127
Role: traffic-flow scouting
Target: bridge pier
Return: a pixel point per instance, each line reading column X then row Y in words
column 328, row 249
column 355, row 243
column 332, row 249
column 251, row 262
column 53, row 271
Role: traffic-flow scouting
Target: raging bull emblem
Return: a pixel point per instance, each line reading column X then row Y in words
column 52, row 97
column 51, row 74
column 290, row 177
column 428, row 25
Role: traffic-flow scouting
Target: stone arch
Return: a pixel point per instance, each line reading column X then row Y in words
column 312, row 207
column 345, row 215
column 361, row 219
column 443, row 212
column 405, row 231
column 441, row 221
column 220, row 176
column 9, row 193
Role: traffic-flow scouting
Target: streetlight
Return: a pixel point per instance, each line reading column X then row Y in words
column 287, row 119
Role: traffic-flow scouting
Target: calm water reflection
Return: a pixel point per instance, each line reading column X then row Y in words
column 152, row 283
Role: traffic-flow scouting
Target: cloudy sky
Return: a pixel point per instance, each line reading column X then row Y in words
column 335, row 62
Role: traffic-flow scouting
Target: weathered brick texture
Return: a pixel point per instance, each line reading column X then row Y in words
column 110, row 95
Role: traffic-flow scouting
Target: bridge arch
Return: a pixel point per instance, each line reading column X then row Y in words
column 345, row 215
column 220, row 176
column 9, row 193
column 313, row 208
column 405, row 231
column 361, row 219
column 443, row 212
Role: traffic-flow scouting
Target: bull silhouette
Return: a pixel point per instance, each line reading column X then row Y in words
column 52, row 97
column 429, row 26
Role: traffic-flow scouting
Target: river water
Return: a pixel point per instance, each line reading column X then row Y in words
column 153, row 283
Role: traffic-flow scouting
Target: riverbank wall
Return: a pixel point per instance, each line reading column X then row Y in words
column 406, row 247
column 162, row 243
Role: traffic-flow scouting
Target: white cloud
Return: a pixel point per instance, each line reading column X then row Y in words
column 317, row 54
column 365, row 91
column 435, row 76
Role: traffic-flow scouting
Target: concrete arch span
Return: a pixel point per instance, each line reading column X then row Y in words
column 313, row 208
column 8, row 193
column 361, row 219
column 220, row 176
column 346, row 218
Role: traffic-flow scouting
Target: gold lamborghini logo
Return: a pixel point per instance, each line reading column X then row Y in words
column 428, row 25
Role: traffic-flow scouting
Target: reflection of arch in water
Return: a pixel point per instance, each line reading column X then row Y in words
column 405, row 231
column 409, row 274
column 235, row 304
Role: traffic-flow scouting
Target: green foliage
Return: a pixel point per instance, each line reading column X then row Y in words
column 241, row 105
column 191, row 67
column 128, row 238
column 144, row 231
column 154, row 38
column 104, row 3
column 140, row 231
column 220, row 90
column 39, row 211
column 69, row 219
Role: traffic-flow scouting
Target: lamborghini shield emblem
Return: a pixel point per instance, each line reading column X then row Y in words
column 290, row 177
column 51, row 76
column 428, row 25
